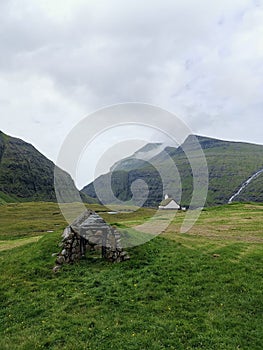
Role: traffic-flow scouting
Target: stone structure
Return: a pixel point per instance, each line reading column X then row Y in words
column 89, row 232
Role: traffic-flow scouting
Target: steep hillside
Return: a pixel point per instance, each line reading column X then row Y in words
column 253, row 192
column 229, row 165
column 26, row 174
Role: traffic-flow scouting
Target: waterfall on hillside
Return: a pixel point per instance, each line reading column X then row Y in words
column 245, row 184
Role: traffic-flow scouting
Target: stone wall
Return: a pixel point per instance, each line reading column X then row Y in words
column 89, row 232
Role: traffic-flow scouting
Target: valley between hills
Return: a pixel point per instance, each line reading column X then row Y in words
column 196, row 290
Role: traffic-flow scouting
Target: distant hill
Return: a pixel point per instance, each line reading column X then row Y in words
column 27, row 175
column 229, row 165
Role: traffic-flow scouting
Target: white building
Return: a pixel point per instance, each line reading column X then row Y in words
column 169, row 203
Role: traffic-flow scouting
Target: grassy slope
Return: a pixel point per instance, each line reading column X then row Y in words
column 5, row 198
column 172, row 294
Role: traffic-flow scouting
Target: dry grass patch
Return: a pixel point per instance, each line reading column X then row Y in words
column 6, row 245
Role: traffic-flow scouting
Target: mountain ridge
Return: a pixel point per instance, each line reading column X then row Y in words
column 229, row 165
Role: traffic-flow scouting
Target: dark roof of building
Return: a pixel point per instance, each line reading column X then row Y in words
column 166, row 201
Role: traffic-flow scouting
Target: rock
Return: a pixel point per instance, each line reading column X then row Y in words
column 60, row 260
column 67, row 233
column 64, row 252
column 56, row 268
column 126, row 257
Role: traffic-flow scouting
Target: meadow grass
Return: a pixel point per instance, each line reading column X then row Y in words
column 199, row 290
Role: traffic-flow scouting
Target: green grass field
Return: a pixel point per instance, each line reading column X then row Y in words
column 199, row 290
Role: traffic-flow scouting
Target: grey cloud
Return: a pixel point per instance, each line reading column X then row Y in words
column 202, row 61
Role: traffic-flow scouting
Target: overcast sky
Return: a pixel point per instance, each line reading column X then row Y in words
column 61, row 60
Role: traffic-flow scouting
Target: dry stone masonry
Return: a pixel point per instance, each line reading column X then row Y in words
column 89, row 232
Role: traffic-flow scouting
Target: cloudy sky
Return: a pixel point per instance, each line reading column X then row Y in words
column 61, row 60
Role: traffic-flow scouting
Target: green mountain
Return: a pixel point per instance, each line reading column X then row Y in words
column 230, row 164
column 27, row 175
